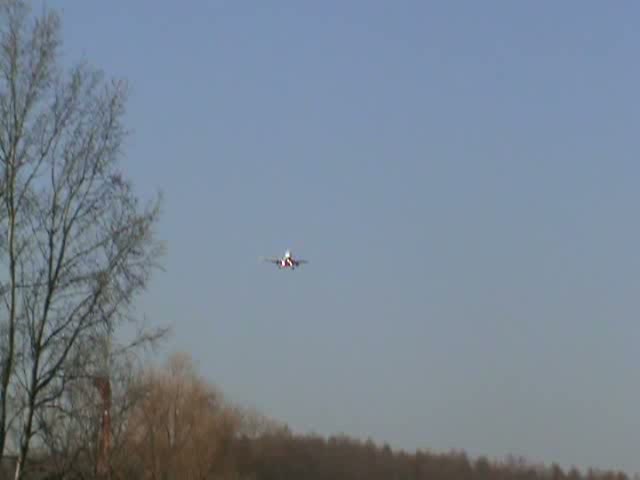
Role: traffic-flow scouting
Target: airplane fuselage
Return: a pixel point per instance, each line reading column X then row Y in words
column 288, row 262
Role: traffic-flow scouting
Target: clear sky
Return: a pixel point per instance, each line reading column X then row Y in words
column 462, row 176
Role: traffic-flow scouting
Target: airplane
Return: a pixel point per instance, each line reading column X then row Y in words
column 287, row 261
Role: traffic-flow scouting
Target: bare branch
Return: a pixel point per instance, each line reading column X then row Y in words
column 76, row 245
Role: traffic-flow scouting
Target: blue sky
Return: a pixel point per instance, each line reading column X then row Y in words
column 462, row 176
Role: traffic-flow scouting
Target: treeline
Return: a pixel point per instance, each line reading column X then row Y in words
column 170, row 423
column 288, row 457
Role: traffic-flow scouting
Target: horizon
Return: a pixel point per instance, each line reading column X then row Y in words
column 462, row 179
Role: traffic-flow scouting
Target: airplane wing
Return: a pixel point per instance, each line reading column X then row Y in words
column 271, row 260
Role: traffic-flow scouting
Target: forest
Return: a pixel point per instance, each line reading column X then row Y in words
column 171, row 423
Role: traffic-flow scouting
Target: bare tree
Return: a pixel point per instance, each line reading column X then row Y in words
column 79, row 435
column 183, row 428
column 76, row 245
